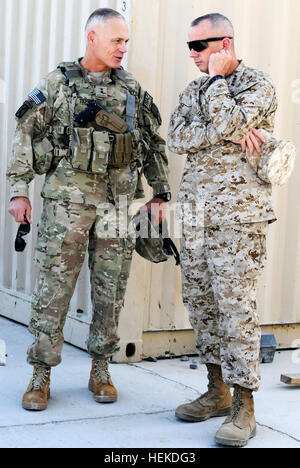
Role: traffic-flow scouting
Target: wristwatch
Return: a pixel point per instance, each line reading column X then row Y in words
column 167, row 196
column 215, row 78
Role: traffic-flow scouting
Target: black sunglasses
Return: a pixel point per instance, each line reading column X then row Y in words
column 23, row 230
column 198, row 46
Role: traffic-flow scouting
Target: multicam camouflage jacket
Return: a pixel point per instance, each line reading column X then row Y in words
column 206, row 125
column 76, row 160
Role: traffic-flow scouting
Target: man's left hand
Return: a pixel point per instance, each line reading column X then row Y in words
column 158, row 210
column 251, row 142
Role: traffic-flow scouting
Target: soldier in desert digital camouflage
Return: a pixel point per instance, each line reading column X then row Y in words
column 217, row 123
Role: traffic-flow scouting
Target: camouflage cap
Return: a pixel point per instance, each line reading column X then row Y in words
column 153, row 243
column 275, row 164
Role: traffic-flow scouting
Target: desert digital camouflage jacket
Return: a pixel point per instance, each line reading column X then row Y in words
column 42, row 138
column 205, row 125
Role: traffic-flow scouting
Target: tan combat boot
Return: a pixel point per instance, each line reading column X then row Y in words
column 216, row 402
column 38, row 391
column 100, row 383
column 240, row 426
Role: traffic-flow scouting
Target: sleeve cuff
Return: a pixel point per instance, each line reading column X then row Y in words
column 212, row 135
column 159, row 188
column 217, row 88
column 19, row 190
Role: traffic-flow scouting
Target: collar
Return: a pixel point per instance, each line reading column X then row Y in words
column 106, row 76
column 240, row 68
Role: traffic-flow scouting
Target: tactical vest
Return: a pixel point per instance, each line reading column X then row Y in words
column 91, row 148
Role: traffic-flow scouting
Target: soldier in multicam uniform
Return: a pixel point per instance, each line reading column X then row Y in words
column 217, row 119
column 91, row 164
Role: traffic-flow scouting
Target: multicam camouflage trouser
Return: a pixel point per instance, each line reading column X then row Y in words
column 219, row 284
column 65, row 232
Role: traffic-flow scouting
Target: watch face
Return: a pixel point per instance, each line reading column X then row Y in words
column 166, row 196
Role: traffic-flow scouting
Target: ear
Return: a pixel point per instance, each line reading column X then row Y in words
column 91, row 37
column 226, row 44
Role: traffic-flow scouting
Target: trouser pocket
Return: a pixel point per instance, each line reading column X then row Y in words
column 82, row 148
column 100, row 153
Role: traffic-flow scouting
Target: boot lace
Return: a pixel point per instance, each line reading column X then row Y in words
column 211, row 382
column 101, row 371
column 211, row 378
column 40, row 377
column 237, row 402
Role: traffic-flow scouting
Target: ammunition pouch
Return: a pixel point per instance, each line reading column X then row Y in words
column 121, row 155
column 90, row 152
column 100, row 153
column 93, row 151
column 82, row 147
column 126, row 149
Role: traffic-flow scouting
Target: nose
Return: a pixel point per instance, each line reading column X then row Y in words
column 193, row 53
column 123, row 48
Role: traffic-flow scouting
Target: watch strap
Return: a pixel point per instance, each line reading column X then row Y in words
column 215, row 78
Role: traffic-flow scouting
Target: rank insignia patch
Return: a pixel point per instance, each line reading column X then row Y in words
column 37, row 97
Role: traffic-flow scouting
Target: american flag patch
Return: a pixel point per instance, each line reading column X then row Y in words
column 37, row 97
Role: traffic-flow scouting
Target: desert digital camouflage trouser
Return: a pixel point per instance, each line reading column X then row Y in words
column 66, row 231
column 219, row 285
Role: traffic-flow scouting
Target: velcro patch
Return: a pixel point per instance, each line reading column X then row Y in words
column 155, row 112
column 148, row 101
column 37, row 97
column 23, row 109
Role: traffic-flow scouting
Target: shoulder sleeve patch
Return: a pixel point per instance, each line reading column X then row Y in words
column 37, row 97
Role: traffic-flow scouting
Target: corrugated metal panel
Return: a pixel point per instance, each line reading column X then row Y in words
column 267, row 37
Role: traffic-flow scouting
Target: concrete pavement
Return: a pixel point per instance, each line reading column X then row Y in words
column 143, row 417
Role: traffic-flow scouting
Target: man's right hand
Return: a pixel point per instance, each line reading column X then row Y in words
column 20, row 208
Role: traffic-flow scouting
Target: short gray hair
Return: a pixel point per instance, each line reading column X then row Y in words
column 215, row 19
column 101, row 16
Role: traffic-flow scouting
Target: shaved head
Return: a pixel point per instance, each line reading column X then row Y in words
column 100, row 16
column 219, row 23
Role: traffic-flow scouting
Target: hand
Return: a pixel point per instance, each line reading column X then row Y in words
column 158, row 210
column 19, row 208
column 220, row 63
column 250, row 142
